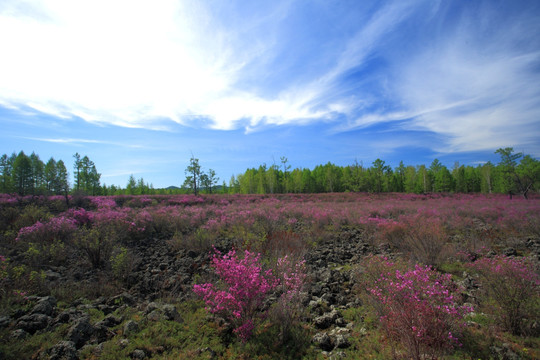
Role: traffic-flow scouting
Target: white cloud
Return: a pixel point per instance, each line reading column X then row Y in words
column 131, row 62
column 136, row 64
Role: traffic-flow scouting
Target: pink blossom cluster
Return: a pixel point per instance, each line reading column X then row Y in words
column 56, row 228
column 292, row 276
column 418, row 308
column 246, row 285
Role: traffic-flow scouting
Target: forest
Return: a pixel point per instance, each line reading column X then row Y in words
column 515, row 174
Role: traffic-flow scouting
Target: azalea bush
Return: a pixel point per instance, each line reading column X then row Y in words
column 511, row 289
column 57, row 228
column 418, row 308
column 244, row 286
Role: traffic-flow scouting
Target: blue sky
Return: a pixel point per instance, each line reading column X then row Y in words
column 139, row 86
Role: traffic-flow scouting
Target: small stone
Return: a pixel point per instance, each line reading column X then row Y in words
column 342, row 341
column 171, row 313
column 155, row 315
column 34, row 322
column 323, row 341
column 45, row 306
column 138, row 354
column 4, row 321
column 123, row 343
column 64, row 350
column 81, row 332
column 131, row 327
column 326, row 320
column 19, row 334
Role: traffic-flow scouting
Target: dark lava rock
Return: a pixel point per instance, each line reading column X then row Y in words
column 33, row 322
column 64, row 350
column 326, row 320
column 80, row 332
column 130, row 326
column 323, row 341
column 45, row 306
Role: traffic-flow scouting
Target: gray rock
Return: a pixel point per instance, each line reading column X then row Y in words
column 342, row 341
column 4, row 321
column 52, row 276
column 323, row 341
column 19, row 334
column 33, row 322
column 170, row 313
column 151, row 307
column 326, row 320
column 155, row 315
column 122, row 299
column 109, row 321
column 131, row 327
column 80, row 332
column 45, row 306
column 510, row 251
column 138, row 354
column 123, row 343
column 64, row 350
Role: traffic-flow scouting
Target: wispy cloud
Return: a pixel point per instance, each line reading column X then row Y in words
column 186, row 64
column 467, row 72
column 72, row 141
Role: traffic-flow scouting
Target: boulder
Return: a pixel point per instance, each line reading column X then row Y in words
column 323, row 341
column 80, row 332
column 33, row 322
column 64, row 350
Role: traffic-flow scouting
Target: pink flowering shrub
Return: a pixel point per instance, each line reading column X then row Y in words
column 512, row 285
column 57, row 228
column 245, row 288
column 418, row 308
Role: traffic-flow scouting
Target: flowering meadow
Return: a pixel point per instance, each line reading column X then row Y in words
column 440, row 275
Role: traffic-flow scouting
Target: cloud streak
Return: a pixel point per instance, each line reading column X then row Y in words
column 466, row 72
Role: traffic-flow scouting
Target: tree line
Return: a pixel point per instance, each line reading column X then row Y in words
column 515, row 173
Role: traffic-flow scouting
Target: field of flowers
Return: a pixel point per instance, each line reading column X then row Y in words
column 431, row 244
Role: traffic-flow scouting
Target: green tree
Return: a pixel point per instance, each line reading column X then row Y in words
column 286, row 169
column 410, row 179
column 38, row 183
column 61, row 186
column 6, row 167
column 22, row 174
column 77, row 173
column 51, row 175
column 379, row 170
column 193, row 175
column 131, row 185
column 486, row 172
column 459, row 178
column 517, row 179
column 528, row 173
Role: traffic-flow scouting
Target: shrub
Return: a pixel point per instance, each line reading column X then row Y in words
column 513, row 286
column 122, row 262
column 57, row 228
column 288, row 309
column 96, row 244
column 421, row 237
column 417, row 308
column 246, row 286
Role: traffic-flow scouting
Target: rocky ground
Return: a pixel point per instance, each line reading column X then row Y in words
column 163, row 274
